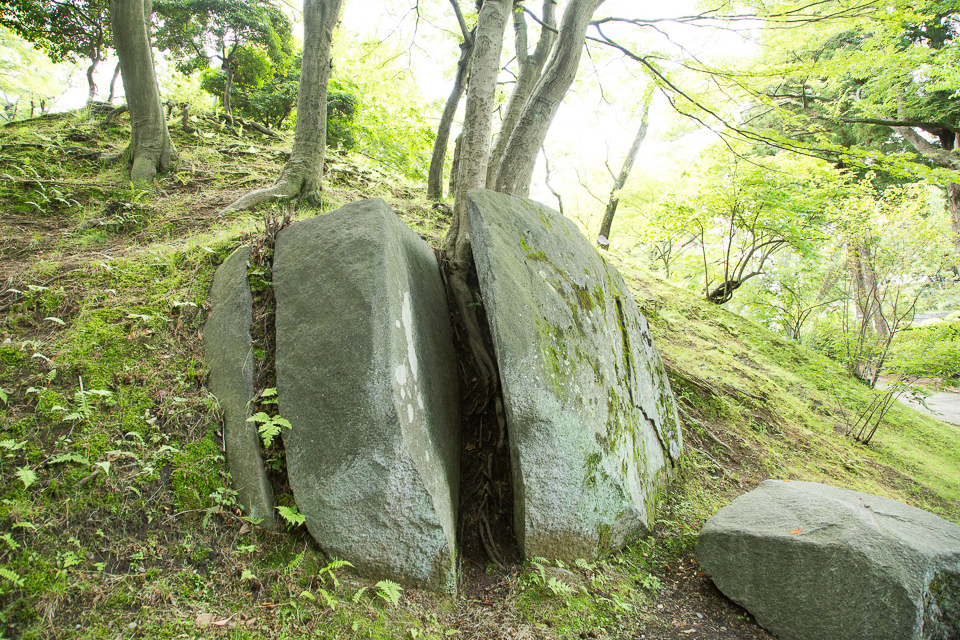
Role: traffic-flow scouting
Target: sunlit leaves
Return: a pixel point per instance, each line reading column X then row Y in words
column 26, row 476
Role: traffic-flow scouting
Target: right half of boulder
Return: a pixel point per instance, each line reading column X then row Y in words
column 592, row 423
column 815, row 562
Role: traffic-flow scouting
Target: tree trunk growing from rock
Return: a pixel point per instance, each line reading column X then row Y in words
column 531, row 69
column 516, row 167
column 302, row 174
column 474, row 155
column 455, row 165
column 150, row 148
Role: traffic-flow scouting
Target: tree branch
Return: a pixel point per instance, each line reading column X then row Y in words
column 926, row 126
column 929, row 150
column 467, row 34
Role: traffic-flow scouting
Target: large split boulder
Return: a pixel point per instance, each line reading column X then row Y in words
column 228, row 352
column 366, row 375
column 814, row 562
column 592, row 423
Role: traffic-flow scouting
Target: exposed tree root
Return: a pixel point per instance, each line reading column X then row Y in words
column 459, row 252
column 285, row 188
column 486, row 370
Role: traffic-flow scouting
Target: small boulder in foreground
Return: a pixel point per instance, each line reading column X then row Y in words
column 814, row 562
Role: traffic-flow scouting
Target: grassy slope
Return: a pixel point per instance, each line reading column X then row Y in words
column 115, row 514
column 784, row 408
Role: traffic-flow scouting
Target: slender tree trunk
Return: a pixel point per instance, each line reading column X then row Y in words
column 474, row 154
column 435, row 177
column 113, row 83
column 302, row 174
column 953, row 204
column 519, row 158
column 150, row 148
column 455, row 165
column 96, row 55
column 227, row 86
column 228, row 61
column 866, row 294
column 546, row 165
column 91, row 83
column 531, row 68
column 604, row 237
column 872, row 290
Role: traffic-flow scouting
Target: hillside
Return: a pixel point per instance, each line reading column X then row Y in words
column 116, row 519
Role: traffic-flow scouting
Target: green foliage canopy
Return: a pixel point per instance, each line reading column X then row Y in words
column 741, row 210
column 64, row 30
column 25, row 74
column 247, row 37
column 853, row 89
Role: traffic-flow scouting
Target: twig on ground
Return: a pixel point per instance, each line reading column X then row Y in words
column 706, row 430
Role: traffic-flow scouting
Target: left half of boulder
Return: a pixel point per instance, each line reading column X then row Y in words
column 228, row 351
column 366, row 375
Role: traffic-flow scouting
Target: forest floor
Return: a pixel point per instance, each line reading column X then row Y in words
column 116, row 517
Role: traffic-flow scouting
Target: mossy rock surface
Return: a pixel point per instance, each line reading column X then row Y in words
column 229, row 352
column 593, row 424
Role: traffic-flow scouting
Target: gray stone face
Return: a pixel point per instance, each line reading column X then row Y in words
column 592, row 421
column 366, row 374
column 814, row 562
column 228, row 352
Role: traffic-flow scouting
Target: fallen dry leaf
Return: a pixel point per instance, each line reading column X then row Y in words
column 204, row 619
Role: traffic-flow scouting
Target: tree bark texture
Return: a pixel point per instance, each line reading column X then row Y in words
column 437, row 160
column 113, row 83
column 91, row 83
column 150, row 148
column 866, row 294
column 953, row 204
column 302, row 174
column 519, row 157
column 474, row 154
column 455, row 165
column 227, row 86
column 618, row 184
column 531, row 69
column 481, row 100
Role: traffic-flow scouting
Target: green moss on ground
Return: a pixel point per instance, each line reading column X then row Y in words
column 116, row 516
